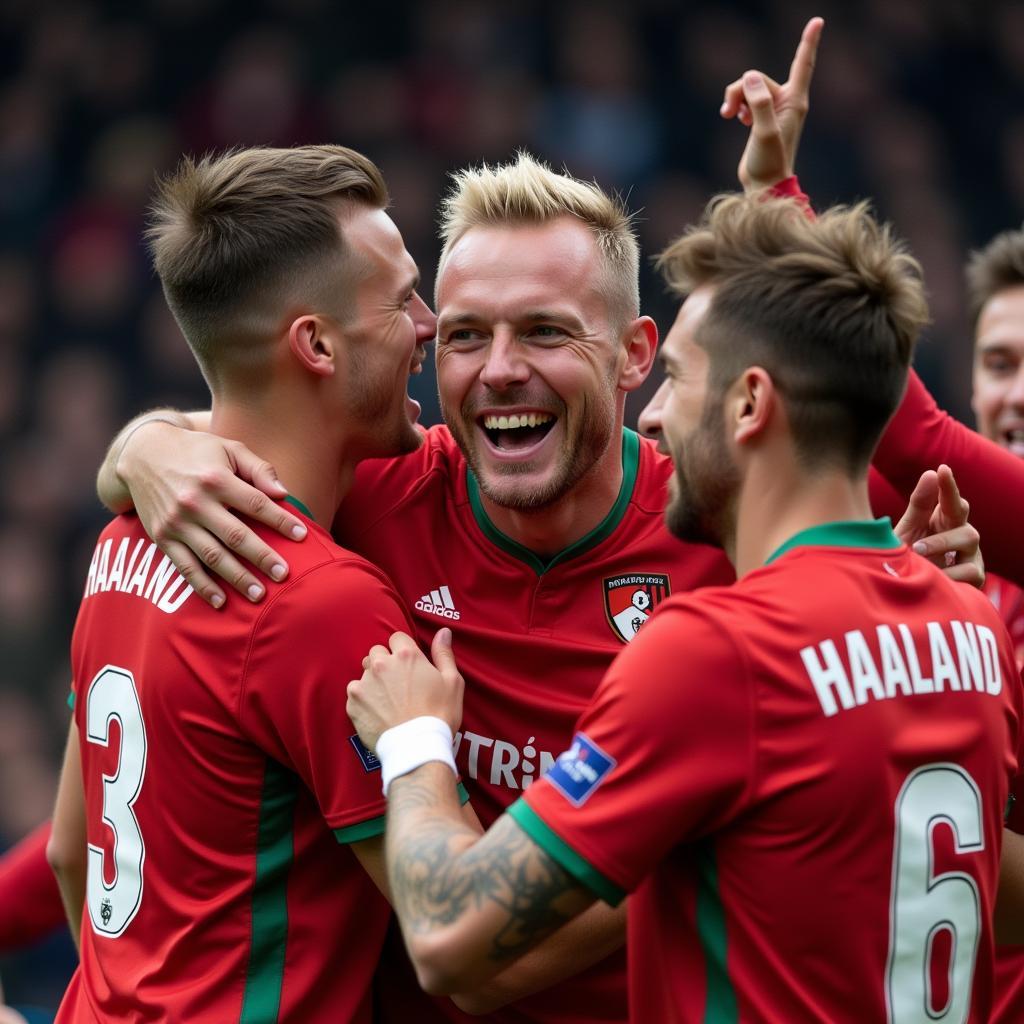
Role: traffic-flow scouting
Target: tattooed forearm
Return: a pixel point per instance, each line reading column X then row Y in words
column 441, row 870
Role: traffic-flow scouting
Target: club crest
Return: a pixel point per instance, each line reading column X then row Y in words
column 630, row 599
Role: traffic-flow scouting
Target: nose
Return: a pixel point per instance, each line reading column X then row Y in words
column 424, row 319
column 505, row 364
column 650, row 419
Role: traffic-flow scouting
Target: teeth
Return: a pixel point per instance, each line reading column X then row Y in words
column 514, row 422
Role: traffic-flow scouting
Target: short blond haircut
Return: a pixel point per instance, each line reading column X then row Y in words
column 995, row 268
column 831, row 307
column 526, row 191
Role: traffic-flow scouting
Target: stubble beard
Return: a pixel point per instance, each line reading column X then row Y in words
column 585, row 440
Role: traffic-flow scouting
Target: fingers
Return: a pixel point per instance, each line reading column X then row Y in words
column 970, row 573
column 257, row 471
column 953, row 508
column 961, row 541
column 801, row 71
column 196, row 577
column 229, row 490
column 762, row 106
column 442, row 655
column 377, row 651
column 734, row 103
column 915, row 521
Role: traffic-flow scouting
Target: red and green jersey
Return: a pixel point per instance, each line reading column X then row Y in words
column 1009, row 999
column 801, row 780
column 533, row 639
column 220, row 775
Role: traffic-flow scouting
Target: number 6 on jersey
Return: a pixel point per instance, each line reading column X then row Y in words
column 112, row 906
column 924, row 903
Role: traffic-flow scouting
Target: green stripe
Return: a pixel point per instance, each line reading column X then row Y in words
column 361, row 830
column 854, row 533
column 559, row 850
column 261, row 1002
column 630, row 464
column 71, row 700
column 301, row 506
column 721, row 998
column 463, row 794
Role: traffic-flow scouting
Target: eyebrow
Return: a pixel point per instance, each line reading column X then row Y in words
column 530, row 316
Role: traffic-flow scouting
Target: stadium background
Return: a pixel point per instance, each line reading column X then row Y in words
column 916, row 103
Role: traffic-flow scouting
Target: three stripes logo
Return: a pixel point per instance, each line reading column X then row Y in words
column 438, row 602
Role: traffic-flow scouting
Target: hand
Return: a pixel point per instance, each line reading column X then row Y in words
column 935, row 525
column 183, row 484
column 401, row 683
column 774, row 113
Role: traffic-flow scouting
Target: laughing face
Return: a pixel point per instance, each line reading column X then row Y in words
column 999, row 370
column 528, row 358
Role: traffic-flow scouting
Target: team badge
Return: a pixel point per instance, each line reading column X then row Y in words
column 630, row 600
column 366, row 756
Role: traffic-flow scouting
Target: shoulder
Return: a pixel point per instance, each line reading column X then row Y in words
column 654, row 470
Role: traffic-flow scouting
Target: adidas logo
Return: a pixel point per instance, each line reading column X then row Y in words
column 438, row 602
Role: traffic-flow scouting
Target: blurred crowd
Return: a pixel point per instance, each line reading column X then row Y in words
column 916, row 104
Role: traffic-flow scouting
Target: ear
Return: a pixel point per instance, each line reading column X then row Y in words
column 639, row 347
column 313, row 345
column 752, row 405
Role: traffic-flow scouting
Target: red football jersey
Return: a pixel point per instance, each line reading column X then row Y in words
column 1009, row 999
column 801, row 780
column 532, row 639
column 217, row 760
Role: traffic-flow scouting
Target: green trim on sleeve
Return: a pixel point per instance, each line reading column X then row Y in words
column 71, row 700
column 463, row 794
column 558, row 849
column 290, row 499
column 630, row 467
column 721, row 1006
column 264, row 980
column 361, row 830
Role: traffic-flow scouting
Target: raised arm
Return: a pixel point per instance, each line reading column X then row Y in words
column 184, row 482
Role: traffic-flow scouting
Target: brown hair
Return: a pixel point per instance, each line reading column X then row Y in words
column 831, row 308
column 1000, row 265
column 526, row 191
column 237, row 237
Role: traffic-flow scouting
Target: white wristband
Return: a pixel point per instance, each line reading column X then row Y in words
column 405, row 747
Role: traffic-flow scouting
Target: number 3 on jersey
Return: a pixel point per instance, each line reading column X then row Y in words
column 112, row 906
column 923, row 903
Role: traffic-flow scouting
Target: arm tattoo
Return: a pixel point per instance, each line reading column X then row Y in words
column 435, row 878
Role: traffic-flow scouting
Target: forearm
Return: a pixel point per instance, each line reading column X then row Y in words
column 468, row 905
column 66, row 849
column 28, row 893
column 110, row 487
column 583, row 942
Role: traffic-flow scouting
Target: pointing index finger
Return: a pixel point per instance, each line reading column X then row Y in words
column 802, row 68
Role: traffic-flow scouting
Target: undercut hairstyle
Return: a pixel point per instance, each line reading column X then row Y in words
column 240, row 239
column 830, row 307
column 1000, row 265
column 526, row 191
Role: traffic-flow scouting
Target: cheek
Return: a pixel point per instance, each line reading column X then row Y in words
column 989, row 397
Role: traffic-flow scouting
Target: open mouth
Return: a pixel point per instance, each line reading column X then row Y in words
column 519, row 431
column 1014, row 440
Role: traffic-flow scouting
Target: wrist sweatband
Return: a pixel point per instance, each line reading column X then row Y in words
column 405, row 747
column 138, row 426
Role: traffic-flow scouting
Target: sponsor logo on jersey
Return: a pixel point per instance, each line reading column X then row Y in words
column 630, row 599
column 366, row 756
column 488, row 759
column 580, row 770
column 439, row 602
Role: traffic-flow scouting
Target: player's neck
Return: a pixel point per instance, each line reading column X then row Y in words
column 774, row 506
column 310, row 461
column 552, row 529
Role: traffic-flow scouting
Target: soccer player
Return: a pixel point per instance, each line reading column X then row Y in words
column 995, row 284
column 801, row 778
column 211, row 771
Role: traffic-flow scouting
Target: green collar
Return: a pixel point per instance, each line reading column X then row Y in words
column 854, row 533
column 630, row 465
column 299, row 505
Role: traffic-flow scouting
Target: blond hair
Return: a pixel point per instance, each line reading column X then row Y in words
column 236, row 237
column 526, row 191
column 832, row 307
column 1000, row 265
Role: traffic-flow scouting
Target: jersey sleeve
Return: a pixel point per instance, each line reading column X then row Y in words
column 306, row 647
column 28, row 893
column 665, row 753
column 921, row 436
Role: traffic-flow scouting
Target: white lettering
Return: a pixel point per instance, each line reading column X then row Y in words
column 990, row 660
column 966, row 640
column 138, row 581
column 866, row 681
column 90, row 580
column 894, row 668
column 505, row 758
column 827, row 677
column 159, row 579
column 920, row 683
column 943, row 669
column 475, row 743
column 117, row 572
column 103, row 568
